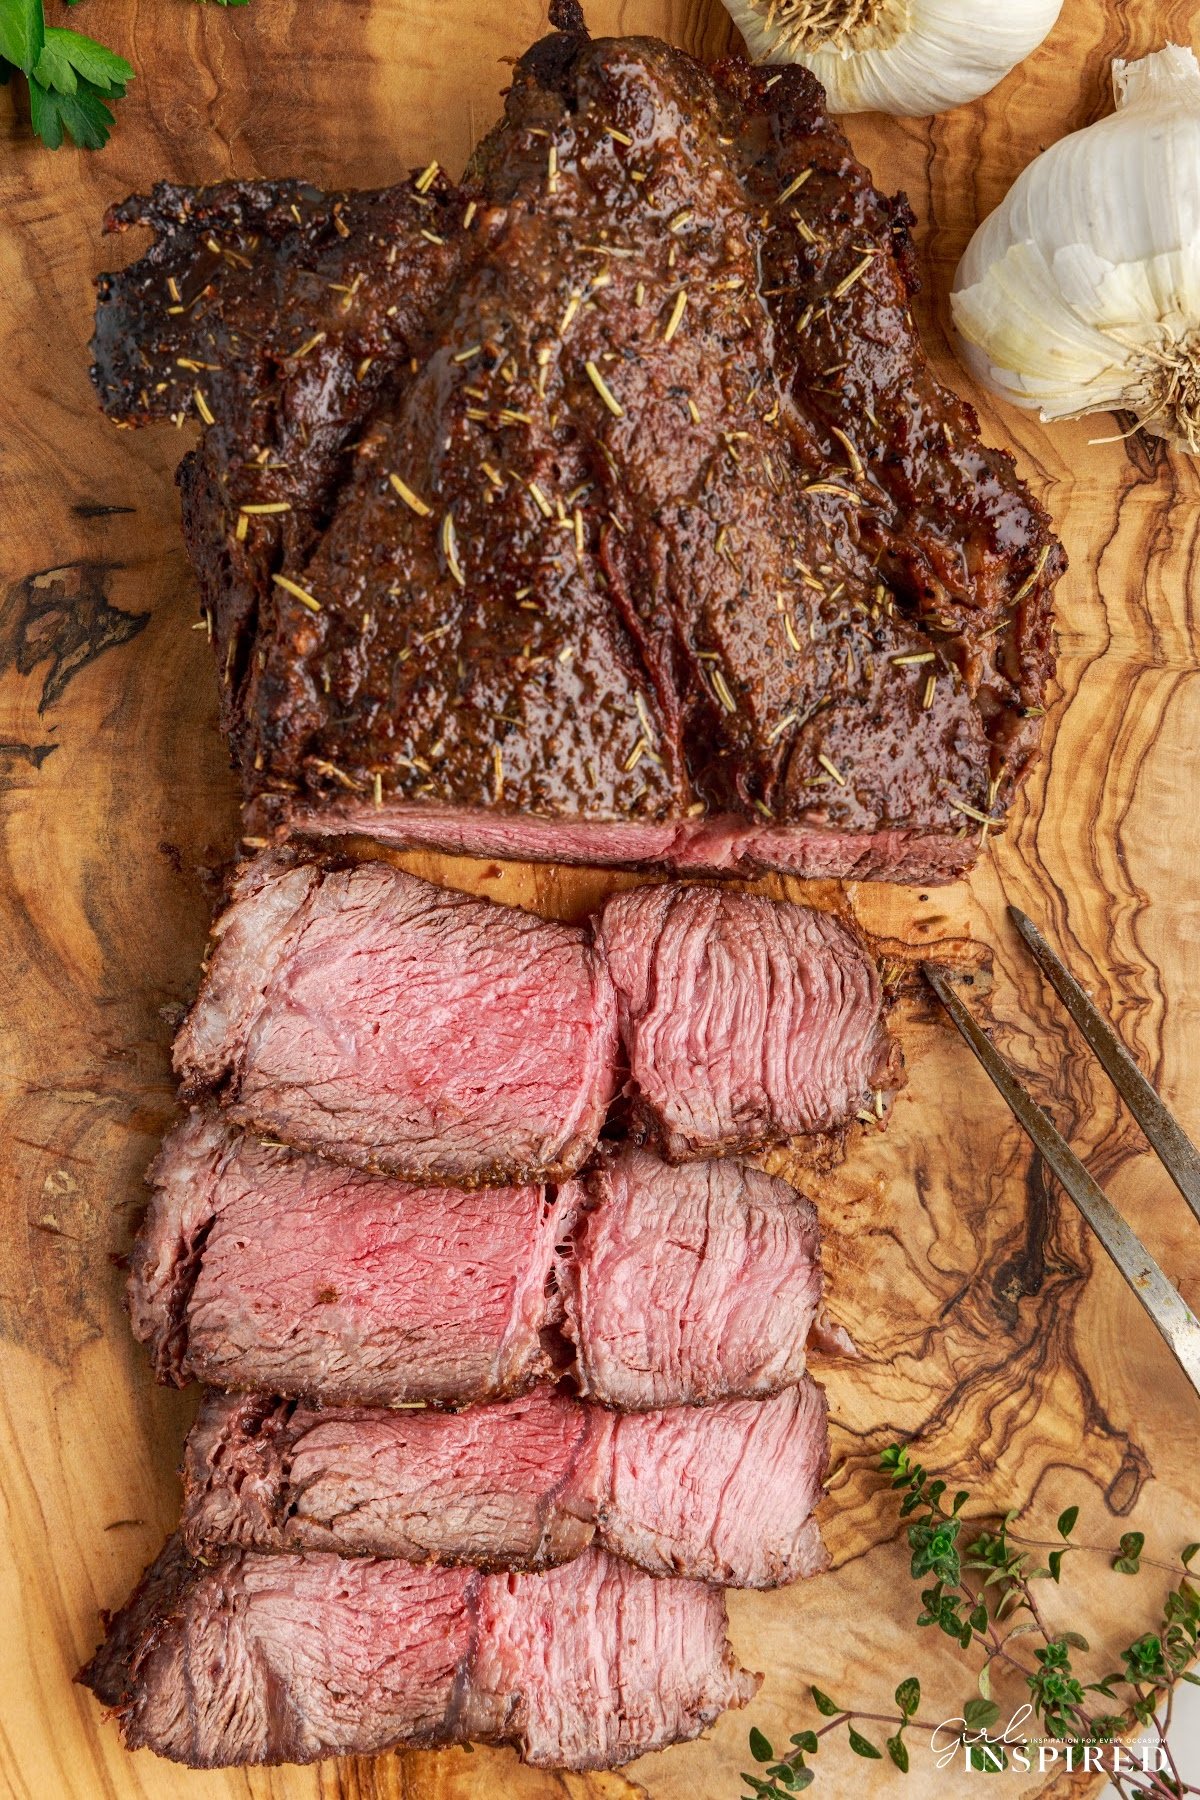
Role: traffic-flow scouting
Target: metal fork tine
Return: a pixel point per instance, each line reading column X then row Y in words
column 1165, row 1136
column 1165, row 1305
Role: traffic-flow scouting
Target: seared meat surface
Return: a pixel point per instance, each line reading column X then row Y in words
column 602, row 507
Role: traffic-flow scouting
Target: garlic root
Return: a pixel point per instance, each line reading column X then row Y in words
column 912, row 57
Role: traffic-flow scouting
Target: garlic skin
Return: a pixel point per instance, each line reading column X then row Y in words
column 909, row 57
column 1081, row 292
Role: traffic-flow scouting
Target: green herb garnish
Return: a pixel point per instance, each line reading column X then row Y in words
column 73, row 81
column 982, row 1596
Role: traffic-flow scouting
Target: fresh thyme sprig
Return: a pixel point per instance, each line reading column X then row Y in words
column 790, row 1774
column 981, row 1594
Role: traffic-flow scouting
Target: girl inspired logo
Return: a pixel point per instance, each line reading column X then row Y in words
column 983, row 1753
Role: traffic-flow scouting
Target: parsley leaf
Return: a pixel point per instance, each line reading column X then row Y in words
column 22, row 32
column 54, row 68
column 85, row 115
column 73, row 80
column 67, row 54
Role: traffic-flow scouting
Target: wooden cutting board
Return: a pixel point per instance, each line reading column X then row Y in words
column 989, row 1323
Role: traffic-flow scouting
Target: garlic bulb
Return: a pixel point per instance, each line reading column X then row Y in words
column 1081, row 292
column 898, row 56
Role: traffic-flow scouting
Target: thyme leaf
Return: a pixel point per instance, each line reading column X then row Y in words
column 983, row 1581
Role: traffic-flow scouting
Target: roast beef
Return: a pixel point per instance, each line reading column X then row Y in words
column 603, row 507
column 257, row 1267
column 401, row 1026
column 504, row 1486
column 289, row 1658
column 261, row 1268
column 720, row 1493
column 394, row 1025
column 596, row 1662
column 724, row 1493
column 745, row 1021
column 697, row 1283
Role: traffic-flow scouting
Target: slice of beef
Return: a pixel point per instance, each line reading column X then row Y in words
column 261, row 1268
column 745, row 1021
column 595, row 1663
column 723, row 1493
column 623, row 516
column 504, row 1486
column 394, row 1025
column 713, row 844
column 291, row 1658
column 400, row 1026
column 286, row 1659
column 696, row 1284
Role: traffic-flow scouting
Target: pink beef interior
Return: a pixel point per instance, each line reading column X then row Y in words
column 313, row 1278
column 721, row 1493
column 596, row 1663
column 504, row 1485
column 288, row 1658
column 395, row 1025
column 746, row 1021
column 690, row 1284
column 291, row 1658
column 676, row 1286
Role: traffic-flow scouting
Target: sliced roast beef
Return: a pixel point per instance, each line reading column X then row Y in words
column 258, row 1267
column 721, row 1493
column 594, row 1663
column 746, row 1021
column 696, row 1283
column 290, row 1658
column 399, row 1026
column 285, row 1659
column 505, row 1486
column 724, row 1493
